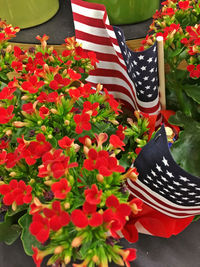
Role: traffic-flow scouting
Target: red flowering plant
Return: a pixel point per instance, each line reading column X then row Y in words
column 178, row 23
column 64, row 157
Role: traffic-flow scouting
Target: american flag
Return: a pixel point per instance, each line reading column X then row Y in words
column 162, row 183
column 130, row 76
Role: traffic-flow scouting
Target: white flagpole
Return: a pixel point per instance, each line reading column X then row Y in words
column 161, row 71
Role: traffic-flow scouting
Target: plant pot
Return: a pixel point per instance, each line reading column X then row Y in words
column 25, row 14
column 128, row 11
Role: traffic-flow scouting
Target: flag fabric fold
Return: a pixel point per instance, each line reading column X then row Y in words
column 162, row 183
column 132, row 77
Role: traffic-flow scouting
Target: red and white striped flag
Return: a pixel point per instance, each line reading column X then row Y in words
column 131, row 77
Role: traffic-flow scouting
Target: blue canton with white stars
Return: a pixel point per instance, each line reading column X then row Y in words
column 159, row 172
column 142, row 68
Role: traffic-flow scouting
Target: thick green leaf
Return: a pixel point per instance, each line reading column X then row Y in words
column 193, row 91
column 28, row 240
column 9, row 232
column 185, row 150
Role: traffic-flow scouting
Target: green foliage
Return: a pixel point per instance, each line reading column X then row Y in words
column 28, row 240
column 9, row 232
column 186, row 149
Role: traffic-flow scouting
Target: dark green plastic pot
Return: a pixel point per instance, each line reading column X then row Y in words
column 27, row 13
column 128, row 11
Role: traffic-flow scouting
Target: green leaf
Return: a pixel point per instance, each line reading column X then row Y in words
column 193, row 91
column 28, row 240
column 185, row 150
column 9, row 232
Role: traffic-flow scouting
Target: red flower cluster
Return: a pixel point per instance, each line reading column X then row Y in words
column 102, row 162
column 55, row 164
column 16, row 192
column 194, row 71
column 116, row 214
column 52, row 219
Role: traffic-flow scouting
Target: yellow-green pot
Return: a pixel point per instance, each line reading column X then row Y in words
column 27, row 13
column 128, row 11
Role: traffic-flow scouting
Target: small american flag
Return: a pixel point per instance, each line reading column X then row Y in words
column 162, row 183
column 130, row 76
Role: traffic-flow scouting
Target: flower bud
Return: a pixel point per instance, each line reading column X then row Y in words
column 67, row 259
column 54, row 111
column 58, row 250
column 12, row 174
column 67, row 122
column 43, row 128
column 67, row 205
column 25, row 97
column 8, row 132
column 77, row 241
column 19, row 124
column 88, row 142
column 100, row 178
column 95, row 259
column 85, row 150
column 115, row 122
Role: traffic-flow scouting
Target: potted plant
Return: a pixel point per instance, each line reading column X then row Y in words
column 178, row 23
column 25, row 14
column 63, row 161
column 128, row 11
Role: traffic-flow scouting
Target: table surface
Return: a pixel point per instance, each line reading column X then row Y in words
column 182, row 250
column 61, row 26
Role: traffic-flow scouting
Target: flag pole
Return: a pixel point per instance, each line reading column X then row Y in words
column 161, row 71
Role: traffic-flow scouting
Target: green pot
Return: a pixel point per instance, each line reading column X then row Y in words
column 128, row 11
column 27, row 13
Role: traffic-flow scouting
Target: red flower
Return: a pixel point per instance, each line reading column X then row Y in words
column 7, row 92
column 65, row 142
column 17, row 65
column 6, row 114
column 82, row 122
column 93, row 196
column 32, row 85
column 168, row 12
column 40, row 227
column 194, row 71
column 12, row 158
column 107, row 166
column 55, row 164
column 89, row 208
column 129, row 255
column 54, row 85
column 28, row 108
column 86, row 90
column 116, row 142
column 93, row 58
column 61, row 189
column 57, row 217
column 112, row 102
column 3, row 144
column 90, row 108
column 36, row 256
column 115, row 215
column 79, row 219
column 43, row 112
column 95, row 220
column 184, row 5
column 120, row 132
column 102, row 162
column 17, row 192
column 73, row 75
column 39, row 147
column 3, row 155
